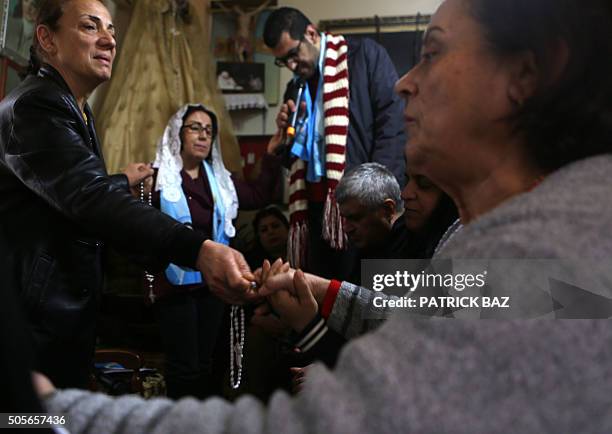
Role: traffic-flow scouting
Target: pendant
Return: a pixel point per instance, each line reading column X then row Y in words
column 148, row 276
column 238, row 353
column 236, row 345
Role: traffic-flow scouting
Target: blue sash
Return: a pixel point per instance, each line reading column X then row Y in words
column 174, row 203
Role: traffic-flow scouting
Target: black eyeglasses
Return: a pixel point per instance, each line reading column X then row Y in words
column 198, row 129
column 291, row 56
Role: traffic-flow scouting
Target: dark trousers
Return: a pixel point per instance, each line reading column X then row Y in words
column 64, row 340
column 189, row 325
column 67, row 363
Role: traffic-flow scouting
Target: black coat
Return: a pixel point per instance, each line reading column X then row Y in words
column 58, row 207
column 376, row 124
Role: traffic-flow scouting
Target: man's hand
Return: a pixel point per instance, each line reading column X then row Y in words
column 137, row 172
column 285, row 113
column 297, row 309
column 282, row 118
column 226, row 272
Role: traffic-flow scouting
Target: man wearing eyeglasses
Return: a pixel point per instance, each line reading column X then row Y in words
column 348, row 114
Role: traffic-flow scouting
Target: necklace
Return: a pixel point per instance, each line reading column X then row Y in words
column 148, row 276
column 236, row 344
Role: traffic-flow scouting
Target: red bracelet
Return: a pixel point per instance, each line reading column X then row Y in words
column 330, row 298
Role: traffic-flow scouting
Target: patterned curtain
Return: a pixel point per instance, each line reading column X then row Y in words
column 164, row 62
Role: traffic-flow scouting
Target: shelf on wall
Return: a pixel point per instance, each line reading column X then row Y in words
column 243, row 101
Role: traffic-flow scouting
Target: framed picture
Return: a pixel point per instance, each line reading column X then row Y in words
column 223, row 39
column 17, row 29
column 237, row 77
column 400, row 35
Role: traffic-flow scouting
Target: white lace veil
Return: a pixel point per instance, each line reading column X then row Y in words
column 169, row 163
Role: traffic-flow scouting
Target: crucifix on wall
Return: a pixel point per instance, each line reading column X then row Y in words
column 245, row 16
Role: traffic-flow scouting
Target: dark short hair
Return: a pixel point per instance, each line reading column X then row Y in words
column 569, row 117
column 213, row 117
column 282, row 20
column 49, row 13
column 266, row 212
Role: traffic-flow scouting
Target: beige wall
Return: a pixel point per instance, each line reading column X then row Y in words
column 318, row 10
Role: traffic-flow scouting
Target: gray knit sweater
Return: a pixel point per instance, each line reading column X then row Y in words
column 568, row 216
column 441, row 375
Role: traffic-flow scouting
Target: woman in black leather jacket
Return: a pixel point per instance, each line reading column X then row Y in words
column 59, row 205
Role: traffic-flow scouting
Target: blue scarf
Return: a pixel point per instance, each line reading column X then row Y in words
column 174, row 203
column 310, row 139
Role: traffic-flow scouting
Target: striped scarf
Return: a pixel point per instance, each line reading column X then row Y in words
column 336, row 121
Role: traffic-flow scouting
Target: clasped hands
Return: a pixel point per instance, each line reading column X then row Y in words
column 288, row 292
column 292, row 294
column 229, row 277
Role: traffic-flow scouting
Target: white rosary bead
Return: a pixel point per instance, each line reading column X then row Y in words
column 237, row 331
column 148, row 276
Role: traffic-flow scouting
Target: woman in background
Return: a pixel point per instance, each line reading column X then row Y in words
column 271, row 231
column 428, row 213
column 193, row 187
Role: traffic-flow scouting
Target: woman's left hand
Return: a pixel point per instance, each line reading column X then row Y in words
column 296, row 309
column 42, row 385
column 137, row 172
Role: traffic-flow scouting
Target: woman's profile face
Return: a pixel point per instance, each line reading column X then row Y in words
column 82, row 48
column 196, row 136
column 421, row 198
column 272, row 233
column 456, row 96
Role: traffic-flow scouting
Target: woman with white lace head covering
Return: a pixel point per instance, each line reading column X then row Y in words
column 193, row 186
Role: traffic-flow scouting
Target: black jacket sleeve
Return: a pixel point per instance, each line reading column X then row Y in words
column 54, row 160
column 317, row 342
column 120, row 181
